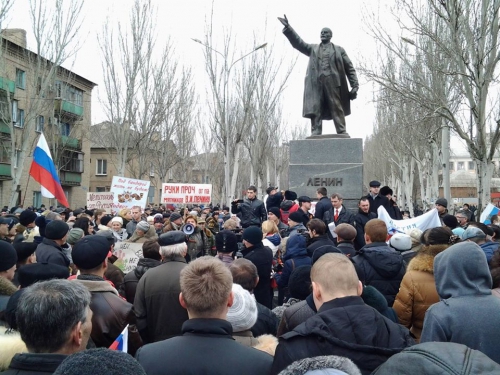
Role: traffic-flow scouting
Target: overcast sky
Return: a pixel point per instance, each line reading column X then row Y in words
column 183, row 20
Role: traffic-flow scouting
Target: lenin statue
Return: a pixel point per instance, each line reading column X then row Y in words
column 326, row 94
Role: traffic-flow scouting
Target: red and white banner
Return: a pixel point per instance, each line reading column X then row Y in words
column 186, row 193
column 129, row 192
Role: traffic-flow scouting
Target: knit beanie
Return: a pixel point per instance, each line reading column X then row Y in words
column 27, row 217
column 117, row 219
column 8, row 256
column 105, row 220
column 175, row 216
column 56, row 229
column 142, row 225
column 253, row 235
column 100, row 361
column 295, row 216
column 400, row 242
column 243, row 313
column 276, row 211
column 74, row 235
column 450, row 221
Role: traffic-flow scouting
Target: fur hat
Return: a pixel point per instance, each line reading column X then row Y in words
column 8, row 256
column 290, row 195
column 341, row 365
column 385, row 190
column 142, row 225
column 253, row 235
column 226, row 242
column 56, row 229
column 27, row 217
column 243, row 313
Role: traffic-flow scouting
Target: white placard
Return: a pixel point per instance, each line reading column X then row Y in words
column 100, row 200
column 128, row 255
column 186, row 193
column 129, row 192
column 426, row 221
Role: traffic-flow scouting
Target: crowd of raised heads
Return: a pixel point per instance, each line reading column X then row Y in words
column 284, row 285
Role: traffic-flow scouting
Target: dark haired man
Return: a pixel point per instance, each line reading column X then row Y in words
column 252, row 210
column 363, row 216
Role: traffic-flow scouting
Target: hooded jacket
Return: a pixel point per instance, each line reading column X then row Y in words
column 131, row 279
column 296, row 256
column 149, row 235
column 439, row 358
column 381, row 267
column 468, row 312
column 489, row 248
column 345, row 327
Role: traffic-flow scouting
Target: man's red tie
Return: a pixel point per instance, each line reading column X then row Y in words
column 336, row 217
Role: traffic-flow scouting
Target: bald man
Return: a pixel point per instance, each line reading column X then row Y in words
column 344, row 325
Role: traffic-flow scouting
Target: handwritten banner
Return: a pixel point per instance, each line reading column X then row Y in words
column 129, row 192
column 102, row 201
column 128, row 255
column 186, row 193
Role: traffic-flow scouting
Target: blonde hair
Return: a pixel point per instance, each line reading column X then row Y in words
column 230, row 224
column 269, row 227
column 336, row 274
column 206, row 284
column 123, row 212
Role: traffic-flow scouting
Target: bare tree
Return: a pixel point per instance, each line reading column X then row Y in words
column 458, row 40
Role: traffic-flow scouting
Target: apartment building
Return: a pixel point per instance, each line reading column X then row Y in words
column 35, row 97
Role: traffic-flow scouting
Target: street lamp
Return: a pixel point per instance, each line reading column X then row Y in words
column 225, row 117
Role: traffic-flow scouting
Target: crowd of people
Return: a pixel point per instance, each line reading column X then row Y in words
column 261, row 287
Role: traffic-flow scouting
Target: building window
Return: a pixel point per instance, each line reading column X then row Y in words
column 101, row 167
column 472, row 166
column 452, row 166
column 65, row 129
column 19, row 122
column 460, row 166
column 37, row 199
column 69, row 93
column 40, row 122
column 17, row 159
column 20, row 79
column 14, row 104
column 72, row 161
column 100, row 189
column 5, row 147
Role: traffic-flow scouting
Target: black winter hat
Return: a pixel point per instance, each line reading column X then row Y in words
column 172, row 238
column 290, row 195
column 33, row 273
column 27, row 217
column 24, row 250
column 174, row 216
column 100, row 361
column 56, row 229
column 276, row 211
column 295, row 216
column 90, row 251
column 226, row 242
column 8, row 256
column 41, row 222
column 385, row 190
column 253, row 235
column 105, row 220
column 450, row 221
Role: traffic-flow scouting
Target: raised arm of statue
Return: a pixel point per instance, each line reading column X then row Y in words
column 294, row 38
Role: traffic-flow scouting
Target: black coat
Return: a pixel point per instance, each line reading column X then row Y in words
column 360, row 220
column 253, row 212
column 322, row 243
column 262, row 257
column 345, row 217
column 394, row 211
column 132, row 278
column 205, row 347
column 274, row 201
column 34, row 364
column 267, row 322
column 50, row 252
column 347, row 248
column 322, row 206
column 382, row 267
column 379, row 200
column 344, row 327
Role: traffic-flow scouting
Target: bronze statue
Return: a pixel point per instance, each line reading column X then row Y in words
column 326, row 94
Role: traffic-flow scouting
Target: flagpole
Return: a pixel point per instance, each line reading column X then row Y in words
column 26, row 190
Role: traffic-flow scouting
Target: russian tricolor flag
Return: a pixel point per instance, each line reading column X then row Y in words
column 44, row 172
column 121, row 342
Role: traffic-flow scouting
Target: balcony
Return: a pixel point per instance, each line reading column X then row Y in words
column 4, row 128
column 67, row 109
column 5, row 171
column 68, row 142
column 70, row 178
column 7, row 85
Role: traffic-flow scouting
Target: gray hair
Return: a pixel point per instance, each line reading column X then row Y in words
column 48, row 311
column 171, row 251
column 53, row 216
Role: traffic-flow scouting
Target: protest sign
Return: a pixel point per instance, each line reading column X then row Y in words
column 129, row 192
column 428, row 220
column 128, row 255
column 102, row 201
column 186, row 193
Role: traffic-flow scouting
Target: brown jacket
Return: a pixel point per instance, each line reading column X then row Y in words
column 111, row 314
column 418, row 290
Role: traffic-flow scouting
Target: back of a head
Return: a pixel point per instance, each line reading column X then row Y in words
column 462, row 270
column 486, row 230
column 376, row 229
column 47, row 312
column 151, row 250
column 317, row 225
column 436, row 358
column 243, row 312
column 205, row 286
column 244, row 273
column 336, row 274
column 322, row 365
column 269, row 227
column 100, row 361
column 450, row 221
column 439, row 236
column 346, row 231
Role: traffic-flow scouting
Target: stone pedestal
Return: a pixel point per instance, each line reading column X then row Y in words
column 334, row 163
